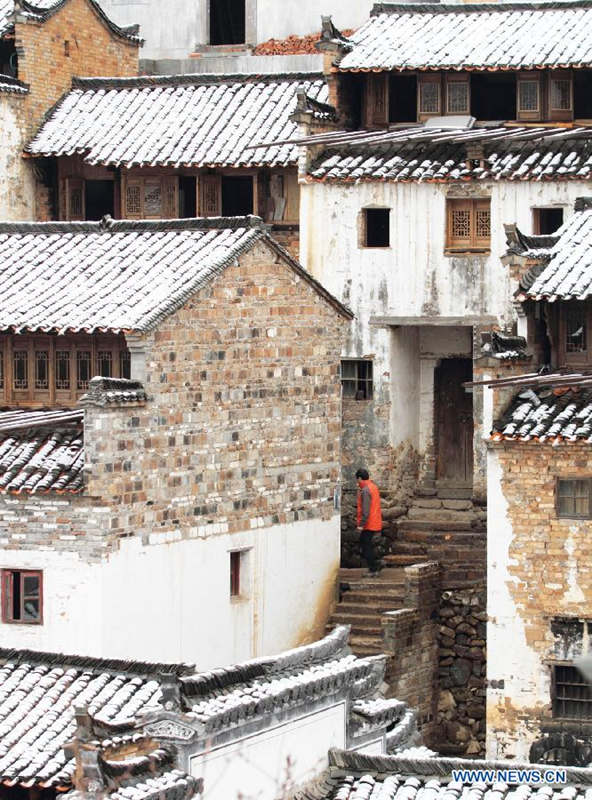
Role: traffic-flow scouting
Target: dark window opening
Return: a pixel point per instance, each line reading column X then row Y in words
column 62, row 368
column 403, row 98
column 571, row 694
column 493, row 96
column 582, row 93
column 125, row 366
column 99, row 199
column 8, row 59
column 235, row 565
column 574, row 498
column 575, row 330
column 20, row 367
column 547, row 220
column 237, row 195
column 21, row 596
column 187, row 197
column 356, row 378
column 376, row 227
column 105, row 363
column 83, row 375
column 227, row 22
column 41, row 369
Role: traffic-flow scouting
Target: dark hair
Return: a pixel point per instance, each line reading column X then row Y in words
column 362, row 474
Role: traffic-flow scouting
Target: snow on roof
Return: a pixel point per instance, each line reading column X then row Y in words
column 118, row 275
column 41, row 10
column 553, row 414
column 476, row 36
column 183, row 120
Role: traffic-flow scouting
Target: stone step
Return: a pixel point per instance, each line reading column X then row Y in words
column 405, row 547
column 426, row 491
column 452, row 493
column 363, row 645
column 428, row 538
column 437, row 515
column 390, row 575
column 404, row 560
column 364, row 607
column 366, row 625
column 425, row 525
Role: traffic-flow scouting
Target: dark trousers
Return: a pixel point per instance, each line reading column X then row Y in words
column 367, row 549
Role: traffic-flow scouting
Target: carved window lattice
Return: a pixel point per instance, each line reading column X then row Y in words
column 561, row 95
column 124, row 364
column 133, row 200
column 169, row 200
column 41, row 369
column 469, row 225
column 483, row 223
column 575, row 331
column 105, row 363
column 528, row 95
column 83, row 364
column 429, row 97
column 458, row 97
column 76, row 202
column 461, row 223
column 153, row 198
column 20, row 369
column 62, row 369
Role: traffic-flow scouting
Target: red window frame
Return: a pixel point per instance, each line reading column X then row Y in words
column 7, row 581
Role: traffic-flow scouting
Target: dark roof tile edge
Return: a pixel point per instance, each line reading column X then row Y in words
column 448, row 8
column 198, row 79
column 118, row 665
column 109, row 225
column 432, row 767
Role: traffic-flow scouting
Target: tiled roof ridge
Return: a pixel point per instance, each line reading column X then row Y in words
column 109, row 225
column 22, row 419
column 148, row 764
column 447, row 8
column 331, row 645
column 441, row 766
column 205, row 79
column 130, row 33
column 9, row 80
column 109, row 665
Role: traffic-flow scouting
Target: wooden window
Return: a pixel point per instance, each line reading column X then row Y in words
column 356, row 378
column 528, row 96
column 571, row 694
column 376, row 99
column 22, row 596
column 150, row 197
column 105, row 363
column 1, row 370
column 561, row 95
column 124, row 364
column 375, row 227
column 20, row 369
column 41, row 369
column 429, row 95
column 469, row 225
column 75, row 199
column 576, row 330
column 83, row 363
column 62, row 370
column 235, row 573
column 210, row 195
column 574, row 498
column 457, row 94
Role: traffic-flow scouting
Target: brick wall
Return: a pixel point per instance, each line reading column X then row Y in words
column 540, row 567
column 47, row 64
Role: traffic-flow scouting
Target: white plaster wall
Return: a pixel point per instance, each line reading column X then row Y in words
column 271, row 763
column 170, row 601
column 405, row 368
column 17, row 192
column 173, row 30
column 509, row 657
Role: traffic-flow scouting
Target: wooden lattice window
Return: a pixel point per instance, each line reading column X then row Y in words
column 75, row 198
column 124, row 364
column 41, row 369
column 105, row 363
column 429, row 95
column 62, row 370
column 377, row 100
column 528, row 101
column 22, row 596
column 20, row 369
column 1, row 370
column 151, row 197
column 469, row 225
column 133, row 200
column 561, row 104
column 83, row 369
column 574, row 498
column 210, row 190
column 457, row 95
column 576, row 332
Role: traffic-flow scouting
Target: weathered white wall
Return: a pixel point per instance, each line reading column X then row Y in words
column 174, row 30
column 17, row 192
column 170, row 601
column 413, row 277
column 509, row 657
column 270, row 763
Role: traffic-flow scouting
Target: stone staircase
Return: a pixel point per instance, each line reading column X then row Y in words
column 362, row 601
column 444, row 525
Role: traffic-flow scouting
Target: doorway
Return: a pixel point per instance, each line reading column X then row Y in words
column 453, row 416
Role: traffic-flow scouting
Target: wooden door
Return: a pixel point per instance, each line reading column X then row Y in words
column 454, row 422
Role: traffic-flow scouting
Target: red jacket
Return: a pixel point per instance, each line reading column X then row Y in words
column 369, row 514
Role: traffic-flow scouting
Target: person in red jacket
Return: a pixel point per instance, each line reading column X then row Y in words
column 369, row 518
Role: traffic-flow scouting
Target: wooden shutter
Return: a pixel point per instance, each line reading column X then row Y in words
column 170, row 197
column 210, row 195
column 459, row 224
column 132, row 198
column 482, row 224
column 528, row 96
column 377, row 100
column 75, row 198
column 428, row 96
column 560, row 98
column 458, row 94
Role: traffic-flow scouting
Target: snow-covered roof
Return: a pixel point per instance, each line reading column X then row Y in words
column 432, row 154
column 118, row 275
column 552, row 414
column 41, row 10
column 473, row 36
column 182, row 120
column 565, row 272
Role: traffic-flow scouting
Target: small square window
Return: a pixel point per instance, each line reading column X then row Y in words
column 468, row 225
column 376, row 227
column 574, row 497
column 356, row 378
column 22, row 596
column 546, row 220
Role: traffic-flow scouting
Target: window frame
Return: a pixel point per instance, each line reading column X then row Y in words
column 475, row 243
column 578, row 358
column 532, row 114
column 423, row 80
column 169, row 196
column 572, row 478
column 363, row 238
column 536, row 218
column 6, row 575
column 457, row 79
column 560, row 114
column 368, row 382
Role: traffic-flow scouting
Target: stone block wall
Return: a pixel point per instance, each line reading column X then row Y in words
column 540, row 569
column 410, row 638
column 462, row 672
